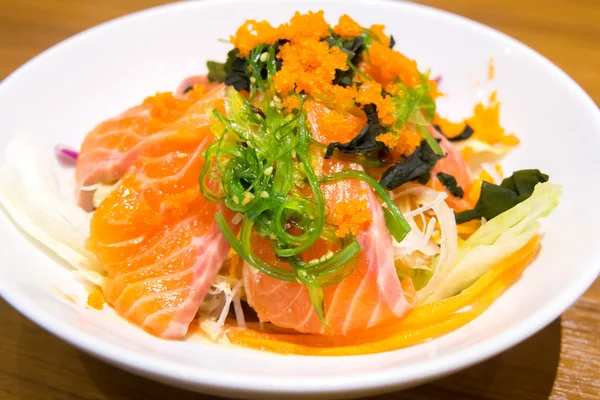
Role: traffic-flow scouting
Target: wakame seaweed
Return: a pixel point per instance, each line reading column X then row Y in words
column 238, row 75
column 415, row 166
column 450, row 184
column 366, row 140
column 353, row 48
column 496, row 199
column 464, row 135
column 234, row 71
column 217, row 72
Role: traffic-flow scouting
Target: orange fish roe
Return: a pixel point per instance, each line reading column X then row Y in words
column 198, row 91
column 347, row 27
column 377, row 30
column 251, row 34
column 96, row 299
column 350, row 217
column 402, row 143
column 486, row 124
column 409, row 140
column 450, row 129
column 467, row 153
column 304, row 26
column 333, row 125
column 338, row 96
column 371, row 93
column 167, row 108
column 291, row 102
column 308, row 66
column 434, row 91
column 499, row 170
column 485, row 176
column 390, row 139
column 491, row 69
column 386, row 65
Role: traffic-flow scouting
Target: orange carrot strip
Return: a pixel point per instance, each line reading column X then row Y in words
column 423, row 323
column 402, row 339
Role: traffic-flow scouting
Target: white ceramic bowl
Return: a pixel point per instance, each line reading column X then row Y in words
column 61, row 94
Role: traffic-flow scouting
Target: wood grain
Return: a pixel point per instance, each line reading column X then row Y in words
column 560, row 362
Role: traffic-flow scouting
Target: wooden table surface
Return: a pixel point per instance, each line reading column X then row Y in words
column 560, row 362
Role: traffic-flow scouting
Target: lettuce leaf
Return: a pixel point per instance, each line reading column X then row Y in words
column 496, row 240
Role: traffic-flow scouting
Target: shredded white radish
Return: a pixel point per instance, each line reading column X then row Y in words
column 417, row 240
column 42, row 204
column 224, row 292
column 441, row 196
column 417, row 249
column 448, row 243
column 229, row 295
column 212, row 329
column 239, row 312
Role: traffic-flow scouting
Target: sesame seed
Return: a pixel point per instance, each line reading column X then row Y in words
column 264, row 57
column 264, row 195
column 268, row 170
column 252, row 79
column 313, row 261
column 247, row 198
column 237, row 218
column 235, row 199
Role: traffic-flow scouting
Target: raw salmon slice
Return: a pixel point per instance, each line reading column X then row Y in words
column 370, row 295
column 155, row 233
column 455, row 165
column 113, row 146
column 190, row 82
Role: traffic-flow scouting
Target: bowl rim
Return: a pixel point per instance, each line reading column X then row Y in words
column 390, row 377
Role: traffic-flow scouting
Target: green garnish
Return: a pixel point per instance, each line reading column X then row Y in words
column 261, row 165
column 256, row 167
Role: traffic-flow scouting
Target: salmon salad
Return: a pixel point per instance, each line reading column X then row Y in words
column 305, row 196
